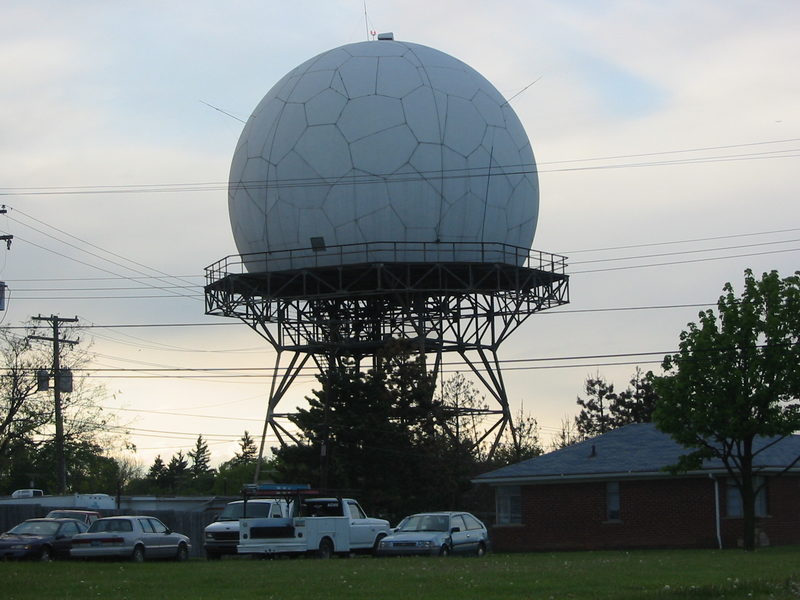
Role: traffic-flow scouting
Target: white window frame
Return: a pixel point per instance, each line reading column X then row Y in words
column 508, row 504
column 612, row 501
column 733, row 499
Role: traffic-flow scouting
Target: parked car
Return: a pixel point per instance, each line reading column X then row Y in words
column 134, row 537
column 40, row 539
column 27, row 493
column 436, row 533
column 84, row 516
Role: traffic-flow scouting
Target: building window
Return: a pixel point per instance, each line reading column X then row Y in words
column 509, row 505
column 733, row 499
column 612, row 501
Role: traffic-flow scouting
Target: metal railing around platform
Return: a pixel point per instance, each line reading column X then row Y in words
column 385, row 252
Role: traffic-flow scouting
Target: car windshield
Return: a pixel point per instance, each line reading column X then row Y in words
column 104, row 525
column 66, row 514
column 425, row 523
column 59, row 514
column 35, row 528
column 234, row 512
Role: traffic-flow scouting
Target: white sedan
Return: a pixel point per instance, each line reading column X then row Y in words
column 133, row 537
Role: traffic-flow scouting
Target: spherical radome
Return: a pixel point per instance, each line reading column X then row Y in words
column 382, row 141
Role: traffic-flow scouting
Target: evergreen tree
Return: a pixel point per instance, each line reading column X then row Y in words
column 201, row 458
column 362, row 431
column 637, row 403
column 248, row 450
column 157, row 471
column 604, row 409
column 177, row 472
column 595, row 416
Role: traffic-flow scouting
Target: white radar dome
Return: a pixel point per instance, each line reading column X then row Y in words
column 382, row 142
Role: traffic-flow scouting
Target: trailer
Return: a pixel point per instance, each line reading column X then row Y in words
column 87, row 501
column 316, row 526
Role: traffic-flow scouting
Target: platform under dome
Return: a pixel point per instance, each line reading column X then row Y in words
column 382, row 142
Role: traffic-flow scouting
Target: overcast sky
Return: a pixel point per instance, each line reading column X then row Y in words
column 654, row 125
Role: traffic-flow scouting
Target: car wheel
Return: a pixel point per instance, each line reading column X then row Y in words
column 46, row 555
column 325, row 548
column 377, row 544
column 445, row 550
column 481, row 551
column 138, row 554
column 183, row 553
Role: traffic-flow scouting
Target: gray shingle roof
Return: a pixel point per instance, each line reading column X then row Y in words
column 630, row 451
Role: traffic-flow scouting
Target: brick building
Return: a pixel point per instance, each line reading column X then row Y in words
column 612, row 492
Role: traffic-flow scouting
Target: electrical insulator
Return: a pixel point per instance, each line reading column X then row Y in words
column 42, row 380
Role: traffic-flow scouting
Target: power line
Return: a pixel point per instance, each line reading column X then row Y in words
column 267, row 371
column 481, row 172
column 686, row 241
column 598, row 260
column 179, row 414
column 678, row 252
column 679, row 151
column 622, row 268
column 684, row 262
column 201, row 277
column 90, row 253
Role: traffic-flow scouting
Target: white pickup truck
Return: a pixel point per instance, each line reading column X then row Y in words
column 317, row 526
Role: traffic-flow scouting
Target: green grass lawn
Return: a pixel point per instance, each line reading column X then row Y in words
column 730, row 574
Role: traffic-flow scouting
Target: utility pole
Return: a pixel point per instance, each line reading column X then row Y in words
column 55, row 321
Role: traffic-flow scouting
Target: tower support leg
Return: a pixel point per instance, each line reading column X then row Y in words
column 281, row 381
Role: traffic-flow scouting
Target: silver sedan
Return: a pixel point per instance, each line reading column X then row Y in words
column 437, row 533
column 133, row 537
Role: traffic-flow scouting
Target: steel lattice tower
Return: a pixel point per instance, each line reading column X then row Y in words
column 321, row 312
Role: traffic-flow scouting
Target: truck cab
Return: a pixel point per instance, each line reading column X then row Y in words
column 222, row 536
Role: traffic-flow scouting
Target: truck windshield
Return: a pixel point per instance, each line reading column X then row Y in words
column 234, row 512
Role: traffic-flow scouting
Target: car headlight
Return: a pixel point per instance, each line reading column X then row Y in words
column 384, row 544
column 425, row 544
column 209, row 536
column 20, row 547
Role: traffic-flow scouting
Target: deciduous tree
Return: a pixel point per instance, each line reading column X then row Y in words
column 735, row 377
column 27, row 417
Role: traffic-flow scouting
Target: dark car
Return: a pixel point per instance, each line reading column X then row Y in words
column 84, row 516
column 40, row 539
